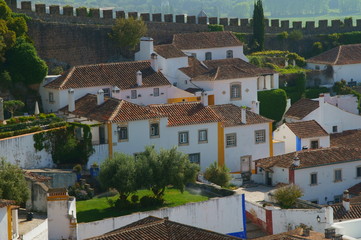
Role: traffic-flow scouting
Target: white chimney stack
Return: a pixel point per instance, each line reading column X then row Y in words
column 346, row 200
column 154, row 62
column 321, row 104
column 100, row 97
column 71, row 100
column 146, row 48
column 139, row 78
column 243, row 115
column 116, row 92
column 296, row 161
column 204, row 99
column 1, row 110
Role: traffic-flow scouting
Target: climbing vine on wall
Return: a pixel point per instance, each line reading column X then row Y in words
column 67, row 146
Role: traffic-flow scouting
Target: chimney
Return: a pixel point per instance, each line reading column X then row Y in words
column 1, row 110
column 296, row 161
column 204, row 99
column 337, row 237
column 116, row 92
column 330, row 233
column 154, row 62
column 146, row 48
column 346, row 200
column 100, row 97
column 71, row 100
column 243, row 115
column 321, row 103
column 139, row 78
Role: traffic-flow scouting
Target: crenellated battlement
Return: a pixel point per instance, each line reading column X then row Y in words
column 69, row 14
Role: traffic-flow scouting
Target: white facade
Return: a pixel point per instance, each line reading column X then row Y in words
column 170, row 67
column 349, row 72
column 348, row 103
column 350, row 229
column 9, row 223
column 216, row 53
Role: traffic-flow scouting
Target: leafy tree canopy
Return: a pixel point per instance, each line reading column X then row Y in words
column 13, row 185
column 286, row 196
column 218, row 174
column 13, row 105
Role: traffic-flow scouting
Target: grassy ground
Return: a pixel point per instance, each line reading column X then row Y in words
column 98, row 208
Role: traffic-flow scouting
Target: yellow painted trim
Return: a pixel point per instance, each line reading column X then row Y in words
column 220, row 144
column 110, row 139
column 270, row 140
column 186, row 99
column 253, row 171
column 57, row 198
column 9, row 222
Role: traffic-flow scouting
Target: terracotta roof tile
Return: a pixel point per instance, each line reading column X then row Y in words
column 341, row 55
column 186, row 113
column 312, row 158
column 223, row 69
column 5, row 203
column 307, row 129
column 302, row 108
column 168, row 51
column 231, row 115
column 295, row 234
column 355, row 189
column 157, row 228
column 339, row 212
column 113, row 110
column 349, row 138
column 36, row 177
column 121, row 74
column 202, row 40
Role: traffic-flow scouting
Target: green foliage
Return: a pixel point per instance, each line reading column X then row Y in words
column 317, row 48
column 119, row 173
column 218, row 174
column 127, row 32
column 81, row 191
column 241, row 36
column 5, row 11
column 13, row 185
column 297, row 91
column 315, row 92
column 286, row 196
column 295, row 35
column 300, row 61
column 215, row 28
column 273, row 103
column 157, row 170
column 13, row 105
column 258, row 26
column 282, row 35
column 257, row 60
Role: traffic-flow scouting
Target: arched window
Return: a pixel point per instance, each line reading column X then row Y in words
column 236, row 91
column 208, row 56
column 229, row 53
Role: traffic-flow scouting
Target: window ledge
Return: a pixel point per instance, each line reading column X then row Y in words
column 155, row 136
column 335, row 181
column 231, row 146
column 123, row 140
column 183, row 144
column 202, row 142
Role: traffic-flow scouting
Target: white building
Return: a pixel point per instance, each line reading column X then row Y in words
column 340, row 63
column 330, row 117
column 323, row 174
column 302, row 135
column 9, row 228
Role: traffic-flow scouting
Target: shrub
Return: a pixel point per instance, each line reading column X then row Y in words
column 296, row 35
column 273, row 103
column 282, row 35
column 317, row 48
column 6, row 134
column 134, row 198
column 215, row 28
column 286, row 196
column 218, row 174
column 315, row 92
column 149, row 201
column 122, row 204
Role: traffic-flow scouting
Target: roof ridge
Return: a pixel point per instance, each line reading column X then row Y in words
column 115, row 112
column 217, row 73
column 338, row 54
column 67, row 77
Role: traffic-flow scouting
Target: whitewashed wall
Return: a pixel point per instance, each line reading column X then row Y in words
column 20, row 150
column 323, row 142
column 217, row 53
column 347, row 72
column 256, row 210
column 349, row 229
column 3, row 223
column 283, row 133
column 223, row 215
column 169, row 67
column 278, row 147
column 38, row 233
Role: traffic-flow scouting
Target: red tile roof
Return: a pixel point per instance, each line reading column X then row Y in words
column 307, row 129
column 295, row 234
column 341, row 55
column 121, row 74
column 186, row 113
column 223, row 69
column 157, row 228
column 5, row 203
column 302, row 108
column 36, row 177
column 231, row 115
column 203, row 40
column 349, row 138
column 168, row 51
column 339, row 212
column 312, row 158
column 112, row 110
column 355, row 189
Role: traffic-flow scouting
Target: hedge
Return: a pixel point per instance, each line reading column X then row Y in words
column 273, row 103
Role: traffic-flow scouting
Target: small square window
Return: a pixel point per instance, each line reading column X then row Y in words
column 155, row 92
column 260, row 136
column 338, row 175
column 183, row 138
column 154, row 130
column 208, row 56
column 202, row 136
column 358, row 171
column 231, row 140
column 122, row 133
column 133, row 94
column 334, row 129
column 314, row 144
column 51, row 97
column 313, row 178
column 195, row 158
column 229, row 54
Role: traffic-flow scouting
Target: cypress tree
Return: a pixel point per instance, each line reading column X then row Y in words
column 258, row 26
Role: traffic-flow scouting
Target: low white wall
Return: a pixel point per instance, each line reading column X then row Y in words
column 223, row 215
column 38, row 233
column 20, row 150
column 350, row 229
column 256, row 210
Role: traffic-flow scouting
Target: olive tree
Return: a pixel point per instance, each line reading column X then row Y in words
column 286, row 196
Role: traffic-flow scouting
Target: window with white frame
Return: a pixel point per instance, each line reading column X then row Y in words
column 51, row 97
column 183, row 138
column 208, row 56
column 154, row 129
column 260, row 136
column 338, row 175
column 155, row 92
column 202, row 136
column 133, row 94
column 313, row 178
column 229, row 54
column 358, row 171
column 195, row 158
column 314, row 144
column 231, row 140
column 235, row 91
column 122, row 133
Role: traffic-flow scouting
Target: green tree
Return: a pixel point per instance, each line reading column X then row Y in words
column 258, row 26
column 218, row 174
column 286, row 196
column 13, row 105
column 13, row 185
column 119, row 173
column 273, row 103
column 157, row 170
column 127, row 32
